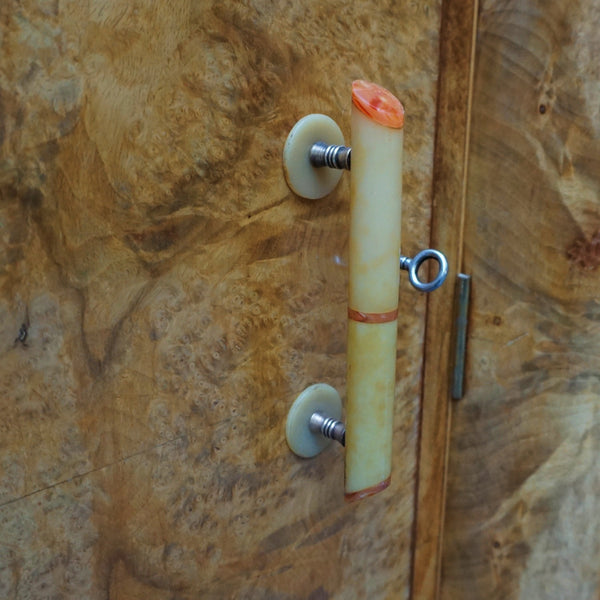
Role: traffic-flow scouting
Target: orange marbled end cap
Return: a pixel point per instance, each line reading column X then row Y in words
column 378, row 104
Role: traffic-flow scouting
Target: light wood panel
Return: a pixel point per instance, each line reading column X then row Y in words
column 523, row 499
column 174, row 297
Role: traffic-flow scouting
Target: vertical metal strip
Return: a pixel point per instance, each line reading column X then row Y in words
column 463, row 292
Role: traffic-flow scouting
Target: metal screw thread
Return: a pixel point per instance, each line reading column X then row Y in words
column 334, row 157
column 405, row 263
column 328, row 427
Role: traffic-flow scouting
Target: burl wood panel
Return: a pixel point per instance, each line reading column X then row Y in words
column 164, row 298
column 523, row 500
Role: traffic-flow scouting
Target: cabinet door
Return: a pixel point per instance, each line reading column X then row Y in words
column 523, row 498
column 164, row 297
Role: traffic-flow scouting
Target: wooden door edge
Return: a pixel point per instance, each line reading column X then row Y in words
column 456, row 68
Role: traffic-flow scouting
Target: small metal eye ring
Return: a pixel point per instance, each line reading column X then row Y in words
column 418, row 260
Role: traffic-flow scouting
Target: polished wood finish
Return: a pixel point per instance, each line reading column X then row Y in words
column 457, row 47
column 523, row 498
column 164, row 298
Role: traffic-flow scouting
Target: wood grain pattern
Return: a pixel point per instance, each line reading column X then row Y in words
column 522, row 518
column 164, row 297
column 457, row 47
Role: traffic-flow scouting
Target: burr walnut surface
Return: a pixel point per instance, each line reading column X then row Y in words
column 164, row 297
column 523, row 499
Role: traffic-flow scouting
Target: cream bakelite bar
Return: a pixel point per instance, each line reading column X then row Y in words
column 375, row 220
column 313, row 156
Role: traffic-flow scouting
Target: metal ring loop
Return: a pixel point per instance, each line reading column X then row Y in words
column 416, row 262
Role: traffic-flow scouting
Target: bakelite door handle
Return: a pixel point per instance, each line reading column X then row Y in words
column 314, row 157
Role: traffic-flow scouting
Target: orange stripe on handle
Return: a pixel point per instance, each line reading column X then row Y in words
column 361, row 317
column 353, row 496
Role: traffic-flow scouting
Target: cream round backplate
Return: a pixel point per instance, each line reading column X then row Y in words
column 302, row 178
column 319, row 397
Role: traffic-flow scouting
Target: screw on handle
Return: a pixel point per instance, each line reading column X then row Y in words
column 332, row 156
column 328, row 427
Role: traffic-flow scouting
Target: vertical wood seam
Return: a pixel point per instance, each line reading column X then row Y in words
column 463, row 199
column 460, row 267
column 449, row 188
